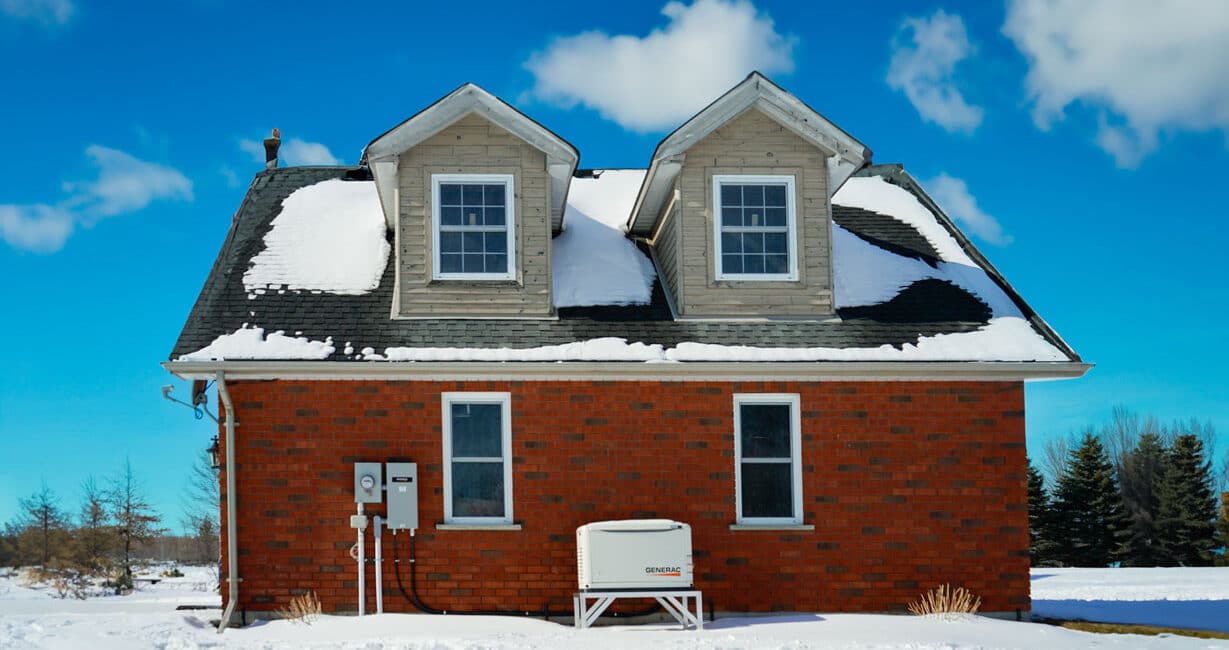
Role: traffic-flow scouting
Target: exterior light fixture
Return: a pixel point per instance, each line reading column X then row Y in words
column 215, row 459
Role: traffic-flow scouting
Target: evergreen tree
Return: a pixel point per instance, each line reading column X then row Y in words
column 1041, row 547
column 1088, row 515
column 45, row 524
column 1186, row 508
column 135, row 519
column 1139, row 477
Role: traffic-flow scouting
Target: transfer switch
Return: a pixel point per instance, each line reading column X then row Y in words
column 402, row 496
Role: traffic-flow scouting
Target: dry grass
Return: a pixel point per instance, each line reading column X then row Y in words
column 945, row 600
column 304, row 608
column 1126, row 628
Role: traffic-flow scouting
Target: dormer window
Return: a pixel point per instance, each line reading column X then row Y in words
column 755, row 228
column 473, row 226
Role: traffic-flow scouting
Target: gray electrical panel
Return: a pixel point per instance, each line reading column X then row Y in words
column 402, row 496
column 368, row 488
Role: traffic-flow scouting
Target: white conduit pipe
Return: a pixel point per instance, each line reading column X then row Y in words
column 362, row 573
column 232, row 531
column 378, row 533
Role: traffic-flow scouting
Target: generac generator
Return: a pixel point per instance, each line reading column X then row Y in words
column 634, row 554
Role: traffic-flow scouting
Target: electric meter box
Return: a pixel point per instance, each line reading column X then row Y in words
column 368, row 487
column 402, row 496
column 634, row 554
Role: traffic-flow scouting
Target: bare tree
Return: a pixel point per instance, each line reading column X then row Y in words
column 135, row 519
column 95, row 534
column 44, row 521
column 202, row 503
column 1054, row 458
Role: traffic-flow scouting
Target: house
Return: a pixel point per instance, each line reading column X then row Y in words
column 763, row 335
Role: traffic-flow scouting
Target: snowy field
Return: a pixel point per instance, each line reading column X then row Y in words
column 35, row 618
column 1180, row 597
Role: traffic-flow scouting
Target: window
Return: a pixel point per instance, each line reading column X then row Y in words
column 477, row 458
column 768, row 474
column 473, row 227
column 755, row 229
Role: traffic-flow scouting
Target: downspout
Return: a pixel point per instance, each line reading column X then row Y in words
column 232, row 542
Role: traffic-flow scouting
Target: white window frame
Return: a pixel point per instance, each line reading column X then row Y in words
column 509, row 184
column 791, row 225
column 791, row 399
column 505, row 401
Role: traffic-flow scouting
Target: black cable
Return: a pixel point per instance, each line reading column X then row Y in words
column 413, row 598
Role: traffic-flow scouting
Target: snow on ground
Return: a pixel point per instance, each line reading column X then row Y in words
column 251, row 343
column 1194, row 597
column 593, row 261
column 34, row 619
column 329, row 236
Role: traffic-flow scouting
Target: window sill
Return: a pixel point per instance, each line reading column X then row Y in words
column 772, row 526
column 477, row 526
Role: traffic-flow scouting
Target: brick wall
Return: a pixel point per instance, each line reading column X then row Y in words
column 908, row 485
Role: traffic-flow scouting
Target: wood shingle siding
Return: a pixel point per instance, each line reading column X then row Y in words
column 751, row 144
column 474, row 145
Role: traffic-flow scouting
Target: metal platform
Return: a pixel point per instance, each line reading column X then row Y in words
column 674, row 601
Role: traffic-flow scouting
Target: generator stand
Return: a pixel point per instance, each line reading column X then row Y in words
column 675, row 601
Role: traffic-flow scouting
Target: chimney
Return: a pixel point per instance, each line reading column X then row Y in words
column 272, row 144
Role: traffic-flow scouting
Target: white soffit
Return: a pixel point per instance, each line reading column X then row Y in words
column 384, row 152
column 845, row 154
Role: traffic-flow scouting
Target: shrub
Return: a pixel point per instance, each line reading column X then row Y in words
column 172, row 572
column 303, row 608
column 945, row 600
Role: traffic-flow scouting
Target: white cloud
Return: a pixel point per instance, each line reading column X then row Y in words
column 48, row 12
column 656, row 81
column 294, row 151
column 37, row 228
column 923, row 66
column 1144, row 67
column 952, row 194
column 124, row 184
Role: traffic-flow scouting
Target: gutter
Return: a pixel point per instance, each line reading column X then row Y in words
column 626, row 371
column 232, row 540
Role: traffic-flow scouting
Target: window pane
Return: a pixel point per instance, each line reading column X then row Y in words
column 494, row 194
column 776, row 264
column 767, row 490
column 731, row 217
column 765, row 430
column 753, row 242
column 753, row 264
column 450, row 263
column 477, row 489
column 731, row 263
column 496, row 242
column 731, row 195
column 472, row 263
column 471, row 194
column 495, row 216
column 473, row 242
column 731, row 242
column 753, row 195
column 774, row 216
column 774, row 242
column 477, row 430
column 450, row 216
column 774, row 195
column 450, row 194
column 450, row 242
column 497, row 263
column 753, row 217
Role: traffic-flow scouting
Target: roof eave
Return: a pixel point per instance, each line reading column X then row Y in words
column 636, row 371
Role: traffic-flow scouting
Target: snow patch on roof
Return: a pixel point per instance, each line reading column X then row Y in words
column 251, row 343
column 603, row 349
column 329, row 237
column 876, row 194
column 594, row 263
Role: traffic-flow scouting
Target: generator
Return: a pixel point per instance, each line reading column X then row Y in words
column 634, row 554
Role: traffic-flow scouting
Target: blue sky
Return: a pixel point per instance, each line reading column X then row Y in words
column 1085, row 161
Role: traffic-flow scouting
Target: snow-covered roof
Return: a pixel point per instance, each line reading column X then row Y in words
column 307, row 256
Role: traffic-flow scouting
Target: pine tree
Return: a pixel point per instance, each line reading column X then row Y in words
column 44, row 524
column 1041, row 547
column 1186, row 508
column 1088, row 516
column 95, row 535
column 135, row 519
column 1139, row 477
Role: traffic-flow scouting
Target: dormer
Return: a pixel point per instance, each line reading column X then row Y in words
column 736, row 206
column 473, row 190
